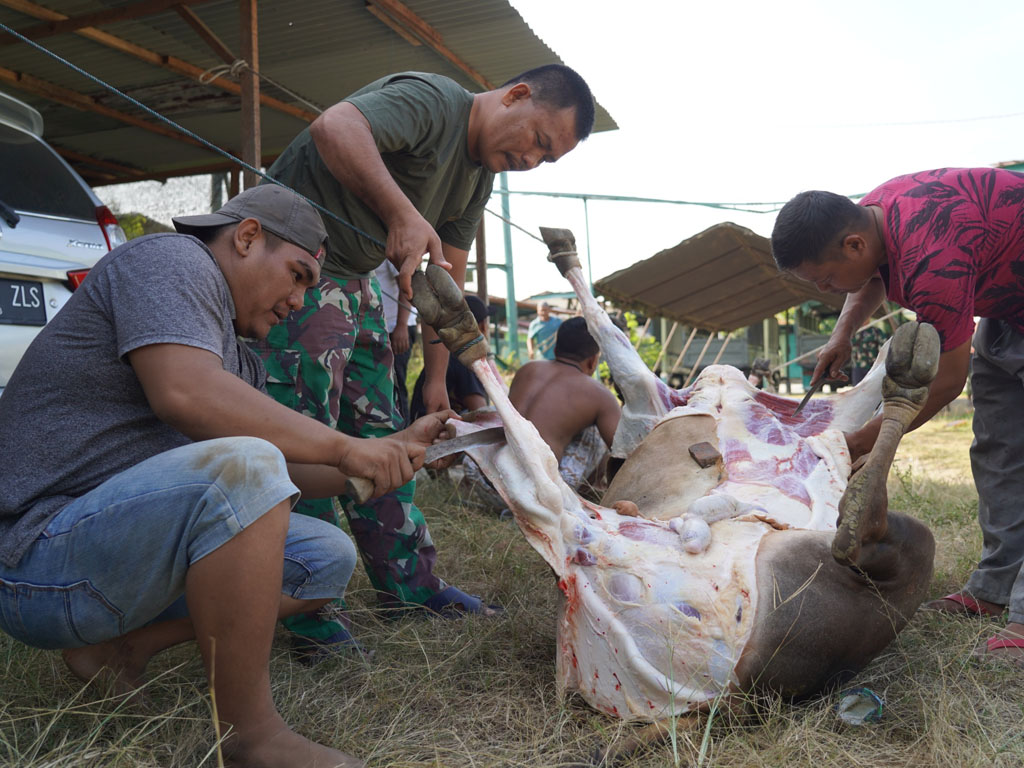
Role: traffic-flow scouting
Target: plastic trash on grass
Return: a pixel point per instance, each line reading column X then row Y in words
column 858, row 706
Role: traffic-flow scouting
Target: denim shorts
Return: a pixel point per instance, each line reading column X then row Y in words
column 115, row 559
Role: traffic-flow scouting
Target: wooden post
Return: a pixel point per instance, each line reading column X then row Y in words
column 251, row 134
column 640, row 335
column 693, row 371
column 686, row 346
column 725, row 344
column 664, row 346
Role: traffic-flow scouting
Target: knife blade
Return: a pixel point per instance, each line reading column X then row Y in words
column 485, row 436
column 361, row 488
column 811, row 390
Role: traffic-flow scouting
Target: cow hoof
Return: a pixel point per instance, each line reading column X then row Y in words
column 561, row 248
column 913, row 357
column 441, row 305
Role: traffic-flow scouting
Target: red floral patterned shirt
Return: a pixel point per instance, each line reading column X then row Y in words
column 955, row 244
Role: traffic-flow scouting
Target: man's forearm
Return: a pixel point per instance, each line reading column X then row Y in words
column 189, row 389
column 345, row 143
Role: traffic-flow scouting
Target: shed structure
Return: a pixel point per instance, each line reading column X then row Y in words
column 194, row 62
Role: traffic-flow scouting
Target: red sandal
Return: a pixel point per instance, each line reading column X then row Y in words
column 971, row 607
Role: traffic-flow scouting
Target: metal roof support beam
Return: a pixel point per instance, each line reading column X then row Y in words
column 170, row 63
column 117, row 168
column 200, row 28
column 69, row 98
column 251, row 134
column 75, row 23
column 401, row 19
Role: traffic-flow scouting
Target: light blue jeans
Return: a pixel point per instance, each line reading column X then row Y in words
column 115, row 559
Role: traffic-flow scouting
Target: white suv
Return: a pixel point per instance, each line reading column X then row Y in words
column 53, row 229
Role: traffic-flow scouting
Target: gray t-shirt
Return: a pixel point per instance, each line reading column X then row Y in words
column 74, row 414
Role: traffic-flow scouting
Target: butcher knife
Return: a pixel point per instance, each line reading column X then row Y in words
column 361, row 488
column 813, row 388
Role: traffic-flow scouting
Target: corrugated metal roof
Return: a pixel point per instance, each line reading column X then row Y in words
column 320, row 50
column 721, row 279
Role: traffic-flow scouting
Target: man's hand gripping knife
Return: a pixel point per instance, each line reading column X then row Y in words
column 439, row 303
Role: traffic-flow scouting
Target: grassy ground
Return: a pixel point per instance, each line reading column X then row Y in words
column 481, row 692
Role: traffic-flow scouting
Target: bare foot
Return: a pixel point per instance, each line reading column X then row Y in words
column 115, row 664
column 281, row 747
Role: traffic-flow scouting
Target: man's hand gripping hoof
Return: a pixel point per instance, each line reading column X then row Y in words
column 910, row 366
column 441, row 305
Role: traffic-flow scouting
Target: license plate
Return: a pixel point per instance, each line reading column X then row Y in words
column 21, row 302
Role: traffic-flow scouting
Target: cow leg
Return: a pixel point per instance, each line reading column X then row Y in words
column 863, row 510
column 525, row 471
column 647, row 398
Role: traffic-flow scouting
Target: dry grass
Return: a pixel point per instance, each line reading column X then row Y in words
column 481, row 692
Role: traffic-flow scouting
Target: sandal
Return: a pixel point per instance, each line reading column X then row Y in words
column 997, row 643
column 340, row 645
column 968, row 606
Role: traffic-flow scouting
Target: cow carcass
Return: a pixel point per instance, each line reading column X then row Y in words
column 714, row 563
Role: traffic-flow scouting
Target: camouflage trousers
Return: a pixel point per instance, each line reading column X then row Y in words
column 332, row 360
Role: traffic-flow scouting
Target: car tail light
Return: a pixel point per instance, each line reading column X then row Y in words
column 111, row 229
column 75, row 278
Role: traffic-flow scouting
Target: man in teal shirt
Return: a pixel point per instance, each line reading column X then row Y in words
column 408, row 161
column 540, row 336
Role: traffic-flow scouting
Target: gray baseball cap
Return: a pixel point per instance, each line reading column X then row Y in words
column 278, row 210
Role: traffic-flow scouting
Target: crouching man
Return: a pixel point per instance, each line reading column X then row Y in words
column 148, row 479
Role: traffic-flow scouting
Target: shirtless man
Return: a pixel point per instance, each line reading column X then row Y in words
column 574, row 413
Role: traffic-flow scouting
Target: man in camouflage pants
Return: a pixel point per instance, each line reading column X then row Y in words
column 409, row 162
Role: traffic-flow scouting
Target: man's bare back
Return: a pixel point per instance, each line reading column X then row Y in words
column 562, row 399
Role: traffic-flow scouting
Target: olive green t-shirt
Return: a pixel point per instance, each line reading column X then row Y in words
column 420, row 123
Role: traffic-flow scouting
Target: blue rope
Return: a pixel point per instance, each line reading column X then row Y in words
column 188, row 133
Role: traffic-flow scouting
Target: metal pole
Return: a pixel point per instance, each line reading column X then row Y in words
column 250, row 83
column 590, row 270
column 686, row 346
column 481, row 262
column 511, row 310
column 664, row 347
column 689, row 376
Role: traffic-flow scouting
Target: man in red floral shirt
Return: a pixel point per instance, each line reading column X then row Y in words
column 949, row 245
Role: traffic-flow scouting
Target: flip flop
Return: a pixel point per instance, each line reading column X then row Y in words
column 997, row 643
column 971, row 607
column 452, row 602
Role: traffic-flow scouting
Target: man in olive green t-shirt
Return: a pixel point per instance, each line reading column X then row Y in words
column 408, row 161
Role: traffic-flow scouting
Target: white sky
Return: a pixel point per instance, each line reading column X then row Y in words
column 739, row 101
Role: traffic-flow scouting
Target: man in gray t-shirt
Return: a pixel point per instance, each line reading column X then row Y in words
column 148, row 478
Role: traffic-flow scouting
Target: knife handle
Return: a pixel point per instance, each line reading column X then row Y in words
column 360, row 489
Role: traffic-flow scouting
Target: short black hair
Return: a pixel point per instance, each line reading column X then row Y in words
column 477, row 307
column 574, row 341
column 808, row 223
column 557, row 86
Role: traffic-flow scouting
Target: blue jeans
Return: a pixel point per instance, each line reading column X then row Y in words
column 115, row 559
